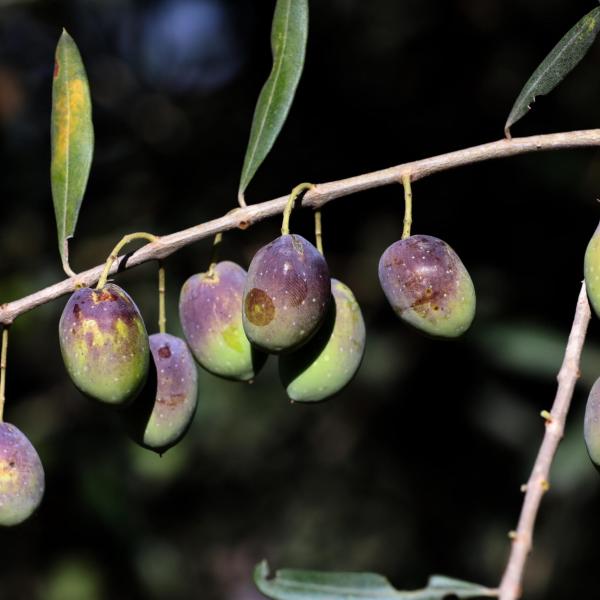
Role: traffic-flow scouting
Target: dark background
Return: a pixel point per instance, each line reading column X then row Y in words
column 415, row 468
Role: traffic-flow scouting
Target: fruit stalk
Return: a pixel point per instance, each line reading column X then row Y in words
column 3, row 354
column 537, row 485
column 407, row 206
column 162, row 313
column 139, row 235
column 214, row 257
column 302, row 187
column 318, row 232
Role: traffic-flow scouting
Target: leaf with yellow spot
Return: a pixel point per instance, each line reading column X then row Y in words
column 72, row 140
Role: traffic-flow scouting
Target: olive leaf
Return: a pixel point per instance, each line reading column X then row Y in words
column 72, row 140
column 288, row 584
column 288, row 44
column 563, row 58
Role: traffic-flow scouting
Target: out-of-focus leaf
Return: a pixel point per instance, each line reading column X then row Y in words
column 288, row 43
column 72, row 140
column 288, row 584
column 534, row 350
column 557, row 65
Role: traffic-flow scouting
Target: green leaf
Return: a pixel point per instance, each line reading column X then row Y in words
column 72, row 140
column 288, row 584
column 288, row 43
column 557, row 65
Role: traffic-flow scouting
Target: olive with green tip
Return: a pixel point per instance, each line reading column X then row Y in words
column 428, row 286
column 591, row 270
column 329, row 361
column 21, row 476
column 162, row 415
column 104, row 344
column 210, row 311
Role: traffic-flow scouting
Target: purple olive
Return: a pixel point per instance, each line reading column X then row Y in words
column 428, row 286
column 591, row 424
column 104, row 344
column 163, row 413
column 287, row 294
column 21, row 476
column 210, row 310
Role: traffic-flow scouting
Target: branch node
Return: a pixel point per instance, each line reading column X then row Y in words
column 546, row 416
column 524, row 488
column 512, row 535
column 545, row 485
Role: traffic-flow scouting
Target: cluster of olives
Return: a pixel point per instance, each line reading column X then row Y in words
column 286, row 304
column 106, row 351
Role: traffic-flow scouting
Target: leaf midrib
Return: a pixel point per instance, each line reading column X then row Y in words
column 67, row 145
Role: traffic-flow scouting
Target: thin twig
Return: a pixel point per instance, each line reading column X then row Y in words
column 320, row 195
column 538, row 484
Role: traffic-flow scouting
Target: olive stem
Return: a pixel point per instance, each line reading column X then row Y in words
column 407, row 205
column 302, row 187
column 537, row 485
column 215, row 254
column 242, row 218
column 162, row 314
column 139, row 235
column 3, row 371
column 318, row 231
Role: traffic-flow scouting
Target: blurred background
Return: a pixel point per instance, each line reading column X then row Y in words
column 416, row 467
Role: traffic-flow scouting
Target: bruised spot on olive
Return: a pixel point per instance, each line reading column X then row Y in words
column 259, row 307
column 77, row 311
column 164, row 352
column 107, row 296
column 172, row 400
column 56, row 69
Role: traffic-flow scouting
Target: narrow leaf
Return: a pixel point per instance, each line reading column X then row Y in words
column 72, row 140
column 288, row 584
column 563, row 58
column 288, row 44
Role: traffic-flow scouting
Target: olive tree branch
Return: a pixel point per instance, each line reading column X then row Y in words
column 318, row 196
column 510, row 587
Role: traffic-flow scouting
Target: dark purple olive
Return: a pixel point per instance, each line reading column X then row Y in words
column 287, row 294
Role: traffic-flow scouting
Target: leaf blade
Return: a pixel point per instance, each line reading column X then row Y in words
column 72, row 140
column 289, row 35
column 291, row 584
column 561, row 60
